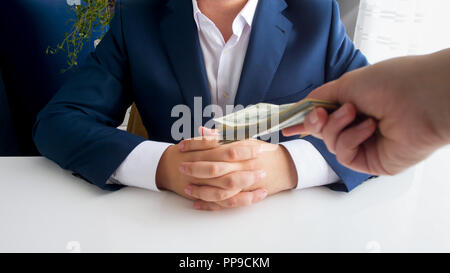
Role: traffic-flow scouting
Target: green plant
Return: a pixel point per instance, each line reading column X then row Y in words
column 90, row 16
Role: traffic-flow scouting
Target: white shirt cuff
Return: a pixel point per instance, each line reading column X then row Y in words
column 139, row 168
column 312, row 169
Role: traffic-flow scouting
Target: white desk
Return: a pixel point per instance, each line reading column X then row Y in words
column 43, row 208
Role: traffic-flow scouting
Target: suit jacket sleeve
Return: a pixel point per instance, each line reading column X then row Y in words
column 77, row 129
column 342, row 56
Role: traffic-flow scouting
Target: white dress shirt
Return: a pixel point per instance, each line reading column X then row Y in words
column 223, row 65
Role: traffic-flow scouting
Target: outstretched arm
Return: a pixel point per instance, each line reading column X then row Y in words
column 409, row 101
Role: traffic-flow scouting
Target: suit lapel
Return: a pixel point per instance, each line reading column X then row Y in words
column 180, row 36
column 268, row 40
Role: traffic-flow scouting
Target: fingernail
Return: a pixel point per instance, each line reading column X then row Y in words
column 342, row 112
column 188, row 190
column 262, row 174
column 196, row 206
column 366, row 124
column 313, row 118
column 263, row 194
column 182, row 169
column 181, row 146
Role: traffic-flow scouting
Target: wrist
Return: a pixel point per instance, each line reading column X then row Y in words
column 438, row 82
column 447, row 126
column 439, row 118
column 162, row 172
column 448, row 134
column 291, row 169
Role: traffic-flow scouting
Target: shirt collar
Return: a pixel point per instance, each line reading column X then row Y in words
column 247, row 13
column 249, row 10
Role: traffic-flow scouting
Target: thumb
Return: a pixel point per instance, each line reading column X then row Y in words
column 329, row 92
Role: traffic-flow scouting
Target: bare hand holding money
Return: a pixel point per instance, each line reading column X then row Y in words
column 409, row 100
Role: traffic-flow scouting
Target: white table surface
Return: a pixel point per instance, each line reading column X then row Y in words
column 44, row 208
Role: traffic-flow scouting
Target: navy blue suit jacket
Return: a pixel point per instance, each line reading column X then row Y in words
column 152, row 56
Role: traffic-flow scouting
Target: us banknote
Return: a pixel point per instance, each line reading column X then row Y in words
column 264, row 118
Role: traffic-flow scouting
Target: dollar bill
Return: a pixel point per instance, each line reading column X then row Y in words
column 264, row 118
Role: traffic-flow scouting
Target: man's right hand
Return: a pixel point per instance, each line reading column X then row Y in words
column 408, row 97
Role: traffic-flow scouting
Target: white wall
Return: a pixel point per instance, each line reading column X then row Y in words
column 349, row 14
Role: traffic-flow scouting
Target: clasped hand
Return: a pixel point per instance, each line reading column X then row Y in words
column 225, row 176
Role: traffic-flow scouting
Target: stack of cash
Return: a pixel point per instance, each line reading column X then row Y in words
column 263, row 118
